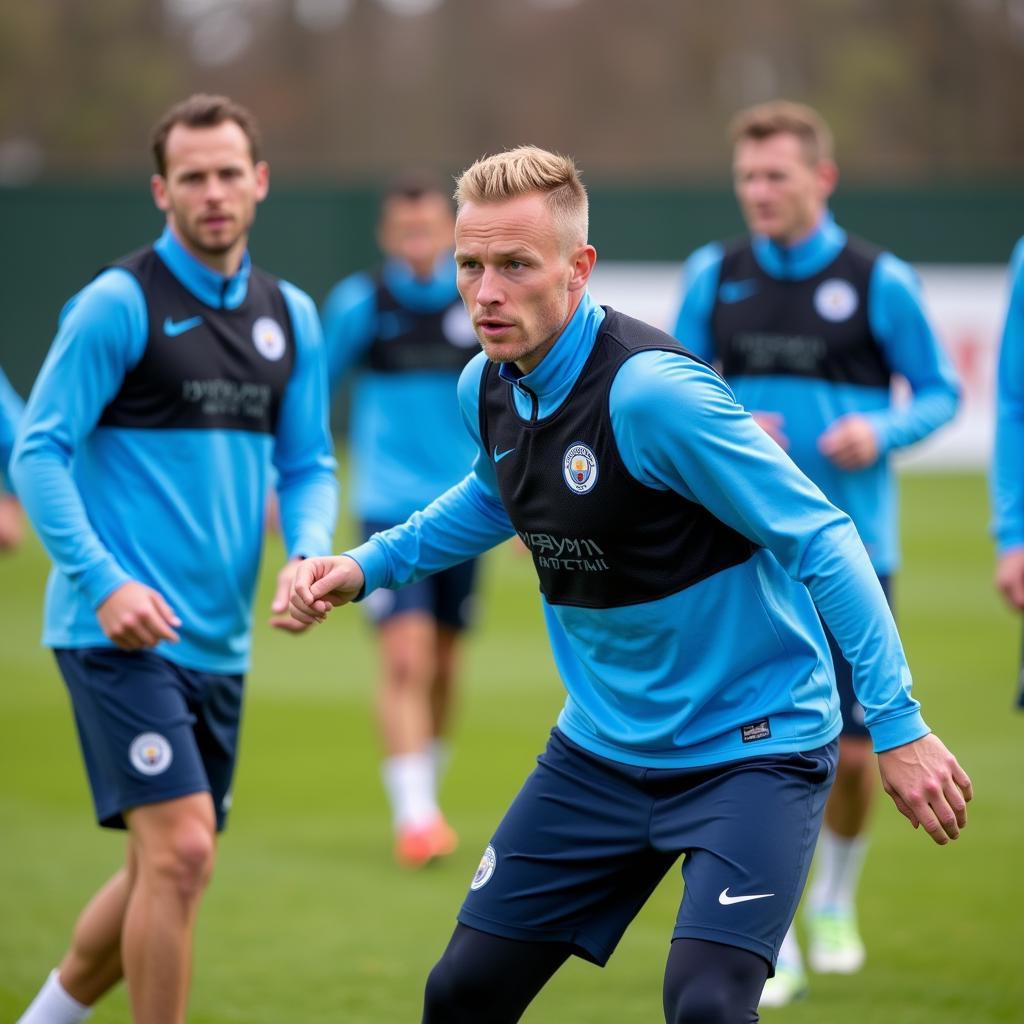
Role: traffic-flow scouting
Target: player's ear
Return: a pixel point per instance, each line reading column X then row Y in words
column 262, row 170
column 583, row 260
column 828, row 177
column 158, row 188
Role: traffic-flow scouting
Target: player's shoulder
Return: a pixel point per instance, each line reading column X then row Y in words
column 114, row 292
column 663, row 380
column 358, row 289
column 892, row 274
column 704, row 261
column 470, row 379
column 1017, row 260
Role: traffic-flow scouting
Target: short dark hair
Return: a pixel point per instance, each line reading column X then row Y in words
column 204, row 111
column 782, row 117
column 414, row 185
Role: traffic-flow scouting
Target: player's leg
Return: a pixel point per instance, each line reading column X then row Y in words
column 482, row 977
column 712, row 983
column 92, row 964
column 749, row 829
column 175, row 843
column 567, row 869
column 453, row 609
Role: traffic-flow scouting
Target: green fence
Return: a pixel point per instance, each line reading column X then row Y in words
column 55, row 237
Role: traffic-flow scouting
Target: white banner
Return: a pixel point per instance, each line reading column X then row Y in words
column 966, row 304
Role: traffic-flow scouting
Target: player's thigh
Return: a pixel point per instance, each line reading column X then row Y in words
column 135, row 726
column 751, row 828
column 570, row 862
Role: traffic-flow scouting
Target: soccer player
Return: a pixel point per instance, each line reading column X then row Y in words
column 1007, row 481
column 177, row 377
column 404, row 334
column 808, row 326
column 12, row 520
column 678, row 551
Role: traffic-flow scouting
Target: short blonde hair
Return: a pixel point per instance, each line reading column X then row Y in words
column 781, row 117
column 523, row 170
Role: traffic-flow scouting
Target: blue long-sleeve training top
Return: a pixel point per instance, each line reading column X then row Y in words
column 11, row 409
column 672, row 682
column 178, row 509
column 808, row 404
column 406, row 436
column 1007, row 476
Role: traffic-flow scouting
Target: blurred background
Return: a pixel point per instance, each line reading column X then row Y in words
column 308, row 920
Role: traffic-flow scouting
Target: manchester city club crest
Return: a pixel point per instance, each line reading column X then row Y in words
column 268, row 338
column 835, row 300
column 150, row 753
column 579, row 468
column 488, row 862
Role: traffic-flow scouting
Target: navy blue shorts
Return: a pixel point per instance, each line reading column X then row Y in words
column 151, row 730
column 587, row 840
column 447, row 597
column 853, row 713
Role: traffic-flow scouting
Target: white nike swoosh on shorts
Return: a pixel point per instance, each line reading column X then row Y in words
column 725, row 899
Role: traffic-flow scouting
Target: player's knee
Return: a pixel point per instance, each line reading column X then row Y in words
column 186, row 860
column 696, row 1002
column 449, row 993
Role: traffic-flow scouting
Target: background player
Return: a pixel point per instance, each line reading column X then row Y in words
column 809, row 325
column 671, row 538
column 12, row 521
column 177, row 377
column 403, row 333
column 1007, row 475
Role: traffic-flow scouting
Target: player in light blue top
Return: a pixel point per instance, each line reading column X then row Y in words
column 809, row 326
column 1007, row 478
column 680, row 556
column 402, row 335
column 177, row 378
column 11, row 518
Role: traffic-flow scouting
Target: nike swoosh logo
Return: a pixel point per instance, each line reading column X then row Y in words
column 725, row 899
column 736, row 291
column 172, row 328
column 498, row 456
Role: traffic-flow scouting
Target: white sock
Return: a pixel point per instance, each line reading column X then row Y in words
column 789, row 951
column 837, row 871
column 409, row 781
column 54, row 1006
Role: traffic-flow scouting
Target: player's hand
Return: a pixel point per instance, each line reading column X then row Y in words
column 771, row 424
column 928, row 786
column 136, row 617
column 12, row 522
column 322, row 584
column 851, row 443
column 280, row 619
column 1010, row 577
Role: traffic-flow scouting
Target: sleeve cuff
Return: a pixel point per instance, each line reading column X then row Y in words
column 101, row 581
column 895, row 732
column 370, row 557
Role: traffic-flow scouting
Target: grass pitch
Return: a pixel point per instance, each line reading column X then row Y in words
column 308, row 920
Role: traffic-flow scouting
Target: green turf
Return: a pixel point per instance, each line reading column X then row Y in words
column 307, row 919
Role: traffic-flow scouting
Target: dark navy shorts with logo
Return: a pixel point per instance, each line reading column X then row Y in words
column 151, row 730
column 853, row 713
column 587, row 840
column 447, row 597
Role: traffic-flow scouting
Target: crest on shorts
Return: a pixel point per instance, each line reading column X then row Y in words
column 150, row 753
column 579, row 468
column 268, row 338
column 488, row 862
column 835, row 300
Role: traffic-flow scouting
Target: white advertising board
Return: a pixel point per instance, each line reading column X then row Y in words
column 966, row 304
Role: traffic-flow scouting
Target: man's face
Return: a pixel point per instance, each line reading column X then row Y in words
column 781, row 194
column 417, row 231
column 210, row 189
column 519, row 279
